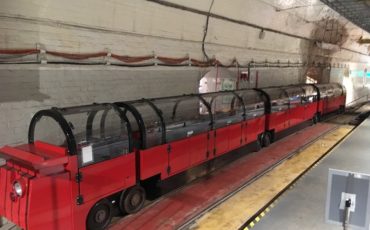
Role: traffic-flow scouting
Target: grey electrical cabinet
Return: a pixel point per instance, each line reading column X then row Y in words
column 351, row 187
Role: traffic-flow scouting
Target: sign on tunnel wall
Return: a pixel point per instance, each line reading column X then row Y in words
column 227, row 84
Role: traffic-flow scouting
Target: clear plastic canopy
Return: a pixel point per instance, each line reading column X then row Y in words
column 113, row 129
column 152, row 125
column 227, row 108
column 99, row 129
column 184, row 116
column 295, row 94
column 279, row 99
column 310, row 93
column 168, row 119
column 253, row 102
column 330, row 90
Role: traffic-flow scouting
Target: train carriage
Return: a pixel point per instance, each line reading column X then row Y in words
column 166, row 127
column 75, row 158
column 332, row 98
column 184, row 131
column 82, row 162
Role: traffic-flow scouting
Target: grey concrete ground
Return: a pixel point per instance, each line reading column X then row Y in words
column 303, row 206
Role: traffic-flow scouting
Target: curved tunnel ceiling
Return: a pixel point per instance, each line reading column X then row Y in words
column 356, row 11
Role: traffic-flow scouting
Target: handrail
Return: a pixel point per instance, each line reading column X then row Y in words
column 58, row 117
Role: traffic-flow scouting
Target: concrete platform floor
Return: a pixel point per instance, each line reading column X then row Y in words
column 303, row 206
column 257, row 196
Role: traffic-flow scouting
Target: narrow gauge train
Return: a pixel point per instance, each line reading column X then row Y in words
column 82, row 161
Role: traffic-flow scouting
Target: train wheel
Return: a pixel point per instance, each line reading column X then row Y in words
column 258, row 143
column 314, row 119
column 100, row 215
column 266, row 139
column 132, row 200
column 342, row 109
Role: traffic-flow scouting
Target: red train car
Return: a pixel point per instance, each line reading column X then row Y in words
column 288, row 106
column 76, row 158
column 83, row 162
column 332, row 98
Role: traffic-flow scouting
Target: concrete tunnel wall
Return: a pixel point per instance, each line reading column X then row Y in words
column 138, row 27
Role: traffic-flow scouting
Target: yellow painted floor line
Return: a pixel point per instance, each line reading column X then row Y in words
column 233, row 213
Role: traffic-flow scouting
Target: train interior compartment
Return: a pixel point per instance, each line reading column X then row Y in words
column 183, row 116
column 296, row 95
column 279, row 102
column 279, row 99
column 146, row 121
column 99, row 131
column 227, row 108
column 310, row 94
column 331, row 97
column 296, row 108
column 253, row 102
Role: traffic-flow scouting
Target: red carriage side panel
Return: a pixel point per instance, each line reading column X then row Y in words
column 296, row 115
column 28, row 173
column 310, row 110
column 221, row 140
column 342, row 100
column 153, row 161
column 278, row 121
column 338, row 102
column 198, row 148
column 253, row 128
column 176, row 156
column 50, row 203
column 321, row 106
column 179, row 156
column 235, row 136
column 330, row 107
column 3, row 194
column 107, row 177
column 327, row 105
